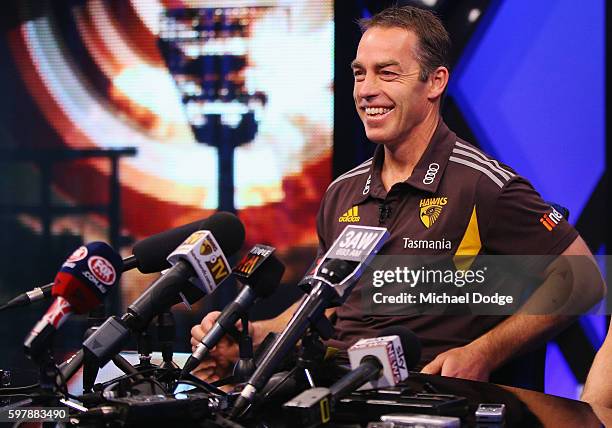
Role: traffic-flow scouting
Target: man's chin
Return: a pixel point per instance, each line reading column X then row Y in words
column 377, row 137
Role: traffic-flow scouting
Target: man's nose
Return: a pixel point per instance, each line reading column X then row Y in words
column 367, row 88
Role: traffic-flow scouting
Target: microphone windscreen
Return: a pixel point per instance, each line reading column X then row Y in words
column 81, row 297
column 335, row 270
column 411, row 345
column 87, row 276
column 267, row 277
column 153, row 251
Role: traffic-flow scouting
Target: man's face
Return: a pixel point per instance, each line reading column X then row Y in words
column 390, row 98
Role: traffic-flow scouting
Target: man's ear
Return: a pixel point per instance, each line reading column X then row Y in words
column 438, row 80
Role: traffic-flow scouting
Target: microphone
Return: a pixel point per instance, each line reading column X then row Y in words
column 261, row 272
column 198, row 263
column 376, row 363
column 332, row 282
column 381, row 361
column 84, row 279
column 384, row 212
column 149, row 256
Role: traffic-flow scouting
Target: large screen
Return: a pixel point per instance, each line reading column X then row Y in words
column 229, row 105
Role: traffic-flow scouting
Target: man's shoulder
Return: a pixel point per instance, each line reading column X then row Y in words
column 352, row 181
column 470, row 163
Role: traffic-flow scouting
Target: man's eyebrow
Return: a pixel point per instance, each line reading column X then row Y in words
column 387, row 63
column 383, row 64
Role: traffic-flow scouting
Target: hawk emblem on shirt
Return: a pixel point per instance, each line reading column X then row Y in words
column 430, row 210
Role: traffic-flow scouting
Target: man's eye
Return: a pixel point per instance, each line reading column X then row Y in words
column 358, row 74
column 386, row 74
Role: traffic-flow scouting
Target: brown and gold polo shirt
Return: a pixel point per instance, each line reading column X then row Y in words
column 458, row 201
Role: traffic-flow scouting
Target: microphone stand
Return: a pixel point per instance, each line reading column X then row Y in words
column 90, row 368
column 145, row 347
column 90, row 365
column 245, row 366
column 51, row 384
column 311, row 354
column 166, row 333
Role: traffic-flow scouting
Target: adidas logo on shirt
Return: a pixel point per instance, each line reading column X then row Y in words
column 351, row 216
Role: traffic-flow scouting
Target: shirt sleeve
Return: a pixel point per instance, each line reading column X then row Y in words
column 522, row 223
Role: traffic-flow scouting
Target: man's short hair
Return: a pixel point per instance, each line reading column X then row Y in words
column 434, row 42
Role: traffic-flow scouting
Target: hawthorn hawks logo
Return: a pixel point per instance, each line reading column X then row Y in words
column 430, row 210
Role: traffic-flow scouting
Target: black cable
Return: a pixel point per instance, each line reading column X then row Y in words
column 19, row 388
column 205, row 385
column 17, row 395
column 113, row 382
column 151, row 381
column 198, row 385
column 228, row 380
column 140, row 372
column 74, row 397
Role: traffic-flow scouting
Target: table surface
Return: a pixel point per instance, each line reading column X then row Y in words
column 523, row 407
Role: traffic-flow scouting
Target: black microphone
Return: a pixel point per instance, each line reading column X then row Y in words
column 377, row 363
column 261, row 272
column 384, row 212
column 149, row 256
column 198, row 260
column 332, row 282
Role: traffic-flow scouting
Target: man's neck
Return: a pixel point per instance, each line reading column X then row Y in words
column 401, row 159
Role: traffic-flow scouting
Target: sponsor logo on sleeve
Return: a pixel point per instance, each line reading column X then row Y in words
column 430, row 210
column 551, row 219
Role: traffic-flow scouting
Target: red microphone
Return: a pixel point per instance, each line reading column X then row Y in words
column 79, row 287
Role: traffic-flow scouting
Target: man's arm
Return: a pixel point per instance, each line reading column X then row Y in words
column 223, row 356
column 520, row 333
column 598, row 388
column 260, row 329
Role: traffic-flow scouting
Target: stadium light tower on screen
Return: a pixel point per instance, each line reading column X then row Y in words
column 206, row 51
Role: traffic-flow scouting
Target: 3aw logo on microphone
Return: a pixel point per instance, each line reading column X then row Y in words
column 356, row 243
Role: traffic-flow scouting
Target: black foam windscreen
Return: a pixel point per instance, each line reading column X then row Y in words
column 152, row 252
column 267, row 277
column 411, row 345
column 335, row 270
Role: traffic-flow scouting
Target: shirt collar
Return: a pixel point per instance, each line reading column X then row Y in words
column 428, row 171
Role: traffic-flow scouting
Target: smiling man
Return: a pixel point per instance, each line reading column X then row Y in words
column 437, row 195
column 397, row 102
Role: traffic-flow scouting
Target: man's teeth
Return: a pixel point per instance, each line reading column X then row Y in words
column 376, row 110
